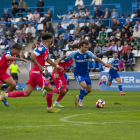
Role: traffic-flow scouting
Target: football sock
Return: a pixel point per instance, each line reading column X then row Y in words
column 86, row 93
column 16, row 94
column 60, row 97
column 49, row 99
column 55, row 90
column 56, row 102
column 82, row 93
column 104, row 82
column 120, row 87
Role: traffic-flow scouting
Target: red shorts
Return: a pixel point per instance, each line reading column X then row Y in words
column 3, row 77
column 60, row 82
column 37, row 79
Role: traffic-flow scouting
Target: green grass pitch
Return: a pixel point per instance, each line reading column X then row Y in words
column 27, row 119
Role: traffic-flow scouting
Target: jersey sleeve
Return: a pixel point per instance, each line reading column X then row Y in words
column 91, row 55
column 71, row 55
column 7, row 53
column 65, row 60
column 39, row 51
column 110, row 61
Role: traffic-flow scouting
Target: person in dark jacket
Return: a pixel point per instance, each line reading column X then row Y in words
column 56, row 52
column 40, row 4
column 106, row 15
column 61, row 42
column 97, row 13
column 6, row 16
column 39, row 38
column 49, row 28
column 85, row 29
column 14, row 8
column 113, row 27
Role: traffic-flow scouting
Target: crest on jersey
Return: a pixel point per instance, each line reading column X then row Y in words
column 40, row 49
column 77, row 56
column 85, row 56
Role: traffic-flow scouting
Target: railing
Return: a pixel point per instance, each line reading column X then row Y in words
column 110, row 6
column 135, row 7
column 4, row 25
column 32, row 10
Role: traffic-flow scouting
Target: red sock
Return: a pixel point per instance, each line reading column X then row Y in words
column 60, row 97
column 17, row 94
column 49, row 98
column 55, row 90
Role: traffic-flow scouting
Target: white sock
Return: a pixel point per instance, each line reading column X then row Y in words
column 49, row 108
column 56, row 102
column 6, row 95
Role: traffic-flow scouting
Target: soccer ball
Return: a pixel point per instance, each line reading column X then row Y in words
column 100, row 103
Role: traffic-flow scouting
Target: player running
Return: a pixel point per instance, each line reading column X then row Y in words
column 81, row 72
column 113, row 73
column 6, row 60
column 60, row 82
column 38, row 57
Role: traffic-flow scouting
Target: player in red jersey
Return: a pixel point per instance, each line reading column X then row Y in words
column 60, row 82
column 6, row 60
column 38, row 57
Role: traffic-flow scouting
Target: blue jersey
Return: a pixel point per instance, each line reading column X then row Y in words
column 81, row 62
column 114, row 63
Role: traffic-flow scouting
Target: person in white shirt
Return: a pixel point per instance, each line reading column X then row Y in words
column 76, row 41
column 29, row 15
column 66, row 17
column 137, row 25
column 75, row 13
column 98, row 4
column 81, row 14
column 79, row 3
column 136, row 34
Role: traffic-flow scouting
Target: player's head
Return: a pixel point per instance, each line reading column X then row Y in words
column 115, row 54
column 83, row 45
column 14, row 62
column 75, row 47
column 16, row 48
column 46, row 39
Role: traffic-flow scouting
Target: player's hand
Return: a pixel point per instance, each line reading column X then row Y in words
column 24, row 60
column 56, row 76
column 107, row 65
column 60, row 68
column 115, row 68
column 41, row 68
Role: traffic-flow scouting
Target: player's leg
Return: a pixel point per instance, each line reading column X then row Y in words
column 89, row 85
column 118, row 79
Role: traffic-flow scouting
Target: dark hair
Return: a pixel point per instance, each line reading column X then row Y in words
column 115, row 52
column 36, row 10
column 46, row 36
column 83, row 42
column 75, row 46
column 123, row 15
column 128, row 15
column 16, row 46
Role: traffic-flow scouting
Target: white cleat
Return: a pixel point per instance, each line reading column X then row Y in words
column 80, row 103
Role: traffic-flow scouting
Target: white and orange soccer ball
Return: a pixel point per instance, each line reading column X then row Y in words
column 100, row 103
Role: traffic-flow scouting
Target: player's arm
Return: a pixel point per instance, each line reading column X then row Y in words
column 99, row 60
column 112, row 66
column 18, row 71
column 10, row 71
column 9, row 57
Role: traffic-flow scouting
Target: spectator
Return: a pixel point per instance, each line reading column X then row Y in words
column 113, row 38
column 66, row 17
column 8, row 35
column 27, row 21
column 106, row 15
column 121, row 65
column 40, row 4
column 91, row 48
column 78, row 34
column 79, row 3
column 119, row 46
column 81, row 14
column 93, row 35
column 122, row 20
column 33, row 22
column 90, row 65
column 22, row 5
column 6, row 16
column 102, row 41
column 119, row 25
column 30, row 32
column 61, row 42
column 137, row 25
column 98, row 4
column 85, row 28
column 77, row 27
column 60, row 28
column 49, row 28
column 136, row 34
column 127, row 25
column 24, row 27
column 29, row 15
column 22, row 55
column 99, row 27
column 108, row 40
column 56, row 34
column 103, row 33
column 1, row 30
column 123, row 32
column 48, row 17
column 121, row 55
column 48, row 76
column 39, row 38
column 56, row 52
column 135, row 18
column 10, row 43
column 3, row 40
column 67, row 36
column 118, row 34
column 28, row 57
column 20, row 23
column 12, row 29
column 14, row 8
column 128, row 58
column 21, row 38
column 114, row 14
column 82, row 37
column 93, row 26
column 50, row 51
column 112, row 48
column 75, row 13
column 97, row 13
column 97, row 67
column 33, row 48
column 138, row 11
column 3, row 24
column 136, row 44
column 126, row 47
column 76, row 41
column 87, row 13
column 89, row 39
column 54, row 40
column 97, row 49
column 129, row 18
column 126, row 39
column 18, row 31
column 113, row 27
column 8, row 25
column 36, row 15
column 130, row 32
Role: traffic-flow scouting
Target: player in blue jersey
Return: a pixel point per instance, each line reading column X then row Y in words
column 81, row 72
column 113, row 73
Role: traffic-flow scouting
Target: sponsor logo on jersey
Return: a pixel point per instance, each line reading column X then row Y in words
column 40, row 49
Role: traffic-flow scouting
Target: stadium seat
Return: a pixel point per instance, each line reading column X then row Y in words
column 47, row 64
column 106, row 69
column 64, row 25
column 109, row 30
column 23, row 86
column 135, row 52
column 72, row 32
column 105, row 60
column 41, row 19
column 66, row 48
column 50, row 68
column 132, row 15
column 40, row 27
column 17, row 19
column 61, row 54
column 26, row 54
column 17, row 86
column 16, row 40
column 2, row 46
column 81, row 24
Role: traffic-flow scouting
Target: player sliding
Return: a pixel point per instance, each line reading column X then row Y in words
column 60, row 82
column 113, row 73
column 38, row 57
column 81, row 72
column 6, row 60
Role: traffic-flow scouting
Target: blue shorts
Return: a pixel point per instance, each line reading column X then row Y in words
column 80, row 79
column 111, row 77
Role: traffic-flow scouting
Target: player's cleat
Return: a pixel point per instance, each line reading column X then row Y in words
column 57, row 105
column 54, row 110
column 121, row 93
column 101, row 81
column 2, row 96
column 77, row 100
column 5, row 102
column 80, row 103
column 44, row 93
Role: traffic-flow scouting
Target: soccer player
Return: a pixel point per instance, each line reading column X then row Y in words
column 113, row 73
column 60, row 82
column 6, row 60
column 81, row 72
column 38, row 57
